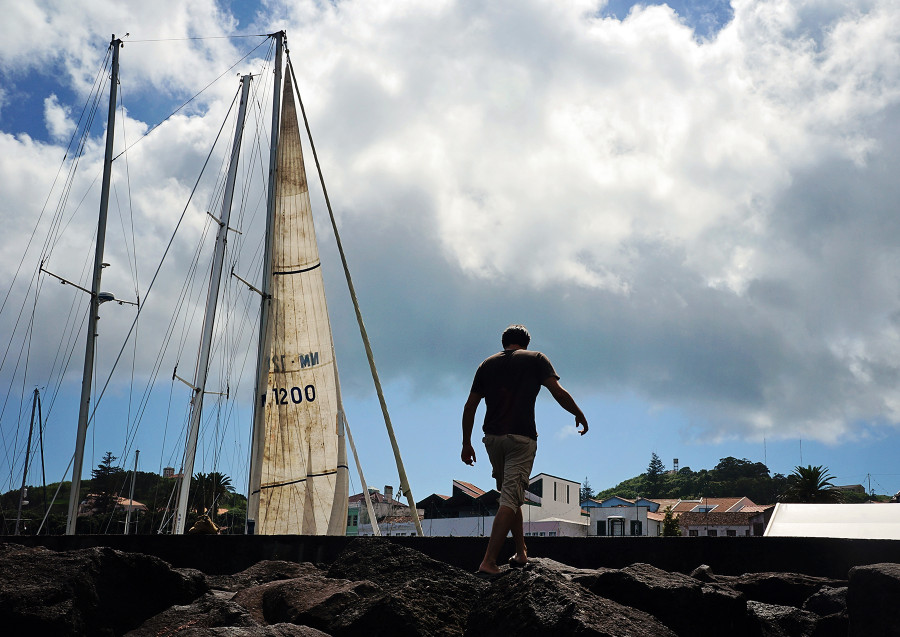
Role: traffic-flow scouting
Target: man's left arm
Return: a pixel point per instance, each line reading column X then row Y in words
column 468, row 424
column 566, row 401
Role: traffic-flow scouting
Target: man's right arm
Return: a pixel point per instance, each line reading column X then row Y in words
column 566, row 401
column 468, row 424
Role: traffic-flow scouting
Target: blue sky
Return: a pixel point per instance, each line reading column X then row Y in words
column 692, row 207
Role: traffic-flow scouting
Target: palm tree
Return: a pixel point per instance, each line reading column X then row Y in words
column 209, row 489
column 811, row 485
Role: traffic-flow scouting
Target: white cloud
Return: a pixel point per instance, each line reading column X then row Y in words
column 708, row 224
column 58, row 119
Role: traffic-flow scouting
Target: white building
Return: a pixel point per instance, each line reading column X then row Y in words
column 551, row 510
column 618, row 516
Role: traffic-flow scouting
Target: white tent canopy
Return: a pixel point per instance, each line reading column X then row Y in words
column 862, row 521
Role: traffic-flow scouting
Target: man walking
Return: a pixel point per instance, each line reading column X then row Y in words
column 509, row 382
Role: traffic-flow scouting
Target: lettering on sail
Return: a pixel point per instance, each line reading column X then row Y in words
column 306, row 360
column 295, row 395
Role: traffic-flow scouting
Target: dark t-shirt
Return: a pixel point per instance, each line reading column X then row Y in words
column 509, row 382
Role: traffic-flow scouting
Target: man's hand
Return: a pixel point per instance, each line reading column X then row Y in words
column 468, row 454
column 581, row 421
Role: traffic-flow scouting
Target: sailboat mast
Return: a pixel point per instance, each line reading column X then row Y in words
column 137, row 452
column 88, row 373
column 258, row 430
column 209, row 319
column 34, row 404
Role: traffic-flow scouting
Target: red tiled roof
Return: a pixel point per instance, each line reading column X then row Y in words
column 468, row 488
column 756, row 508
column 720, row 504
column 726, row 518
column 377, row 496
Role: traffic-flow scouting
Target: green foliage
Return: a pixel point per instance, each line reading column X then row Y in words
column 812, row 485
column 654, row 476
column 106, row 481
column 585, row 493
column 730, row 477
column 209, row 491
column 150, row 489
column 670, row 527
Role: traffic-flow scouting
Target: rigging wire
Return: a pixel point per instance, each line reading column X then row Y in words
column 196, row 95
column 61, row 221
column 154, row 279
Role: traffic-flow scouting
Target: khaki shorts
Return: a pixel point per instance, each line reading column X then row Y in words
column 512, row 457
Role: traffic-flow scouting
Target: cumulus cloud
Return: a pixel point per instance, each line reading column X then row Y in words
column 58, row 119
column 705, row 222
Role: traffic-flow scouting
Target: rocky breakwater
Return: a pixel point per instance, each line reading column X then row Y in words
column 379, row 588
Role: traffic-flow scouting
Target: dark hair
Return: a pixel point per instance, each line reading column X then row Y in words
column 515, row 335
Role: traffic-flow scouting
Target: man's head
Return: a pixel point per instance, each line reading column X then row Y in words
column 515, row 335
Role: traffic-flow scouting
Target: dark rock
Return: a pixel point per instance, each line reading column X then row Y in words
column 703, row 573
column 540, row 600
column 276, row 630
column 383, row 562
column 209, row 611
column 780, row 589
column 426, row 596
column 666, row 596
column 871, row 600
column 836, row 625
column 781, row 621
column 95, row 591
column 261, row 573
column 827, row 601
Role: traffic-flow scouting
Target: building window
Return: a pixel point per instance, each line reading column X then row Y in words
column 636, row 527
column 747, row 532
column 567, row 494
column 352, row 519
column 712, row 532
column 601, row 527
column 552, row 534
column 617, row 526
column 693, row 533
column 731, row 533
column 554, row 491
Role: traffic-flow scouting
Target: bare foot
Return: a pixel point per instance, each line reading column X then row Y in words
column 517, row 561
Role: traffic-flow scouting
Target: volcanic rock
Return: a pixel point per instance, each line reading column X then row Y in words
column 96, row 591
column 666, row 596
column 827, row 601
column 261, row 573
column 780, row 589
column 871, row 598
column 539, row 600
column 781, row 621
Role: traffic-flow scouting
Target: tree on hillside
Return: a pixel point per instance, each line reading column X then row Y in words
column 655, row 472
column 585, row 493
column 105, row 481
column 811, row 485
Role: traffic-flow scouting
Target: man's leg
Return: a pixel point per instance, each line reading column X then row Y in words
column 504, row 521
column 518, row 533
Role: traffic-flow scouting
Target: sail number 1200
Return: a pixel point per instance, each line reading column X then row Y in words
column 296, row 395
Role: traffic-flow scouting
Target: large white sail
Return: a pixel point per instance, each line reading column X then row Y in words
column 304, row 482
